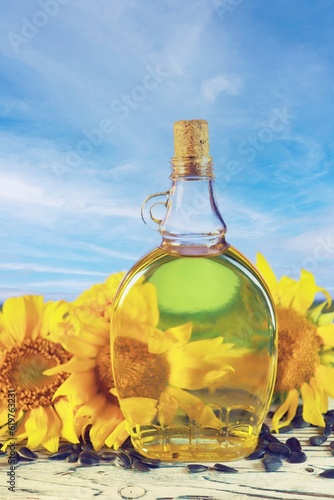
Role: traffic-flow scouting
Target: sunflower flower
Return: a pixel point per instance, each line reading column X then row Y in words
column 156, row 370
column 305, row 347
column 25, row 354
column 83, row 329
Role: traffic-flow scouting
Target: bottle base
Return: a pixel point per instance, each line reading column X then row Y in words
column 188, row 444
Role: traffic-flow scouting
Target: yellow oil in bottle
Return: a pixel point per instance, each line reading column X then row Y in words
column 203, row 393
column 193, row 331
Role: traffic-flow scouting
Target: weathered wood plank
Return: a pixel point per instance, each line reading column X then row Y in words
column 45, row 479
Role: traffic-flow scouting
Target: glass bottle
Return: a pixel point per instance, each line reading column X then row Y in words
column 193, row 330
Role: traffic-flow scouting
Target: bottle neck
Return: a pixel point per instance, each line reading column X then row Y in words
column 193, row 224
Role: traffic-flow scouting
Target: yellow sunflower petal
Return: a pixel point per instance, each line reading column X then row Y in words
column 75, row 364
column 104, row 425
column 195, row 408
column 79, row 387
column 14, row 315
column 286, row 291
column 94, row 405
column 118, row 435
column 289, row 406
column 51, row 440
column 139, row 411
column 65, row 412
column 314, row 314
column 326, row 319
column 311, row 410
column 320, row 395
column 167, row 409
column 306, row 290
column 36, row 426
column 325, row 378
column 267, row 273
column 161, row 342
column 327, row 334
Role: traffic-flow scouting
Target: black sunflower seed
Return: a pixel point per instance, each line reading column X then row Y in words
column 327, row 431
column 109, row 456
column 85, row 438
column 258, row 453
column 140, row 466
column 65, row 447
column 262, row 442
column 317, row 440
column 332, row 451
column 26, row 453
column 127, row 444
column 192, row 468
column 329, row 473
column 123, row 460
column 2, row 453
column 329, row 419
column 224, row 468
column 297, row 457
column 299, row 410
column 294, row 444
column 73, row 457
column 299, row 423
column 329, row 412
column 331, row 444
column 279, row 449
column 264, row 428
column 88, row 458
column 271, row 464
column 76, row 447
column 60, row 454
column 151, row 462
column 87, row 447
column 286, row 429
column 270, row 437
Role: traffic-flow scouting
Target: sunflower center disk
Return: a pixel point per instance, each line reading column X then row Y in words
column 103, row 373
column 298, row 347
column 22, row 371
column 143, row 374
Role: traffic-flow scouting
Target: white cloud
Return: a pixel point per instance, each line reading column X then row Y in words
column 213, row 87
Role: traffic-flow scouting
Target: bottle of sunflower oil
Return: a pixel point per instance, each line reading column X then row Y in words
column 193, row 330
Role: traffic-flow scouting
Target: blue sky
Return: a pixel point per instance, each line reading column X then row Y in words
column 89, row 92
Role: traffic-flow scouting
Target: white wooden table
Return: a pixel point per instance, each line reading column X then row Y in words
column 46, row 479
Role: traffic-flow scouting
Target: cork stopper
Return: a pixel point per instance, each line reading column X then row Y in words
column 191, row 139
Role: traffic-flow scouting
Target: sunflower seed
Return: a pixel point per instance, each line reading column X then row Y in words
column 329, row 473
column 123, row 460
column 297, row 457
column 270, row 437
column 271, row 464
column 2, row 453
column 264, row 428
column 331, row 444
column 72, row 458
column 76, row 447
column 60, row 454
column 332, row 451
column 329, row 419
column 88, row 458
column 224, row 468
column 151, row 462
column 329, row 412
column 279, row 449
column 294, row 444
column 317, row 440
column 192, row 468
column 65, row 447
column 26, row 453
column 258, row 453
column 286, row 429
column 299, row 423
column 87, row 447
column 140, row 466
column 85, row 438
column 109, row 456
column 327, row 430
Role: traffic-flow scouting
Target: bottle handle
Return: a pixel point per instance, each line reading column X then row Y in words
column 146, row 211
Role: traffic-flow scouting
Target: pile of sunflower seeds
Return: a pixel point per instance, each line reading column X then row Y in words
column 270, row 450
